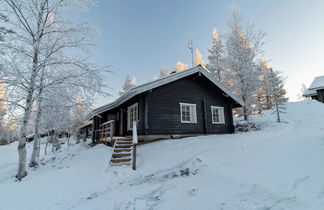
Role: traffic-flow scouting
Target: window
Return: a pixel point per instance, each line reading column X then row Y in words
column 188, row 113
column 217, row 115
column 132, row 115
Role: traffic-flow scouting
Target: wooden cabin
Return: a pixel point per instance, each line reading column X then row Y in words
column 316, row 89
column 187, row 103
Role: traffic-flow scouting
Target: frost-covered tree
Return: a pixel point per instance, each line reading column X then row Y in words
column 243, row 47
column 4, row 30
column 264, row 100
column 179, row 66
column 278, row 93
column 2, row 102
column 300, row 96
column 152, row 78
column 163, row 72
column 129, row 82
column 198, row 59
column 44, row 38
column 2, row 112
column 56, row 113
column 216, row 57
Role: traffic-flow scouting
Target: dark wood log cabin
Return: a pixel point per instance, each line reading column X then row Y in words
column 187, row 103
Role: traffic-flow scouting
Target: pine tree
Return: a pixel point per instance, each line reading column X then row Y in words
column 216, row 57
column 198, row 59
column 278, row 93
column 264, row 99
column 129, row 82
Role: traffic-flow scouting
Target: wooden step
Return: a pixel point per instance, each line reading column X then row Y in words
column 123, row 139
column 123, row 146
column 122, row 150
column 118, row 155
column 124, row 142
column 121, row 164
column 120, row 160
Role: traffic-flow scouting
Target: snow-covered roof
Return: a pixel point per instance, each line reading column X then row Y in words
column 159, row 82
column 318, row 83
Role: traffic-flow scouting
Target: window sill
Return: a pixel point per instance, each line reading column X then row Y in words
column 218, row 123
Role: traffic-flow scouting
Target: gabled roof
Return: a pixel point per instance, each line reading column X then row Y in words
column 159, row 82
column 318, row 83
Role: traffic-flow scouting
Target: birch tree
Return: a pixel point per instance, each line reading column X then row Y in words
column 243, row 47
column 43, row 38
column 4, row 30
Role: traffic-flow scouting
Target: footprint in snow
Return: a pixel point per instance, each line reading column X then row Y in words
column 192, row 192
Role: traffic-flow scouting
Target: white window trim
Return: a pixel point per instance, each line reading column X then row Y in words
column 128, row 116
column 222, row 114
column 193, row 115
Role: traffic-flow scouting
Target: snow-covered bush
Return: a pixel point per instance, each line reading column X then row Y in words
column 245, row 126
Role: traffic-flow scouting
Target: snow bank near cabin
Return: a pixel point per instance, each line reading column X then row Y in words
column 279, row 167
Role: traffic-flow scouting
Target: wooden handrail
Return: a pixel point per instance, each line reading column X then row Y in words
column 106, row 130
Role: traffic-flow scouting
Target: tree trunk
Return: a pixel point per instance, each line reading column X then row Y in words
column 277, row 110
column 36, row 147
column 29, row 100
column 56, row 143
column 48, row 139
column 269, row 105
column 68, row 137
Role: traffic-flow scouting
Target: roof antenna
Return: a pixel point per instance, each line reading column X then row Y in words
column 190, row 46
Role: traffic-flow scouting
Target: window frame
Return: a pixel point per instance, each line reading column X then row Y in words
column 221, row 114
column 129, row 123
column 192, row 113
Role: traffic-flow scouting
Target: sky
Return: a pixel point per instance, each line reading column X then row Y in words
column 139, row 37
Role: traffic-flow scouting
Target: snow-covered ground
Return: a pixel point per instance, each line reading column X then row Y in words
column 279, row 167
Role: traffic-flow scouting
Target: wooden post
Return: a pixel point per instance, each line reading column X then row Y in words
column 135, row 142
column 134, row 157
column 111, row 131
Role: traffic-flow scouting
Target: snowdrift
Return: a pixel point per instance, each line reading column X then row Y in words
column 279, row 167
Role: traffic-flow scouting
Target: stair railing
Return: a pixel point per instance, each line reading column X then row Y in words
column 106, row 131
column 135, row 142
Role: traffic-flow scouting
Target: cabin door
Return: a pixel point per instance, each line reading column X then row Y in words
column 119, row 123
